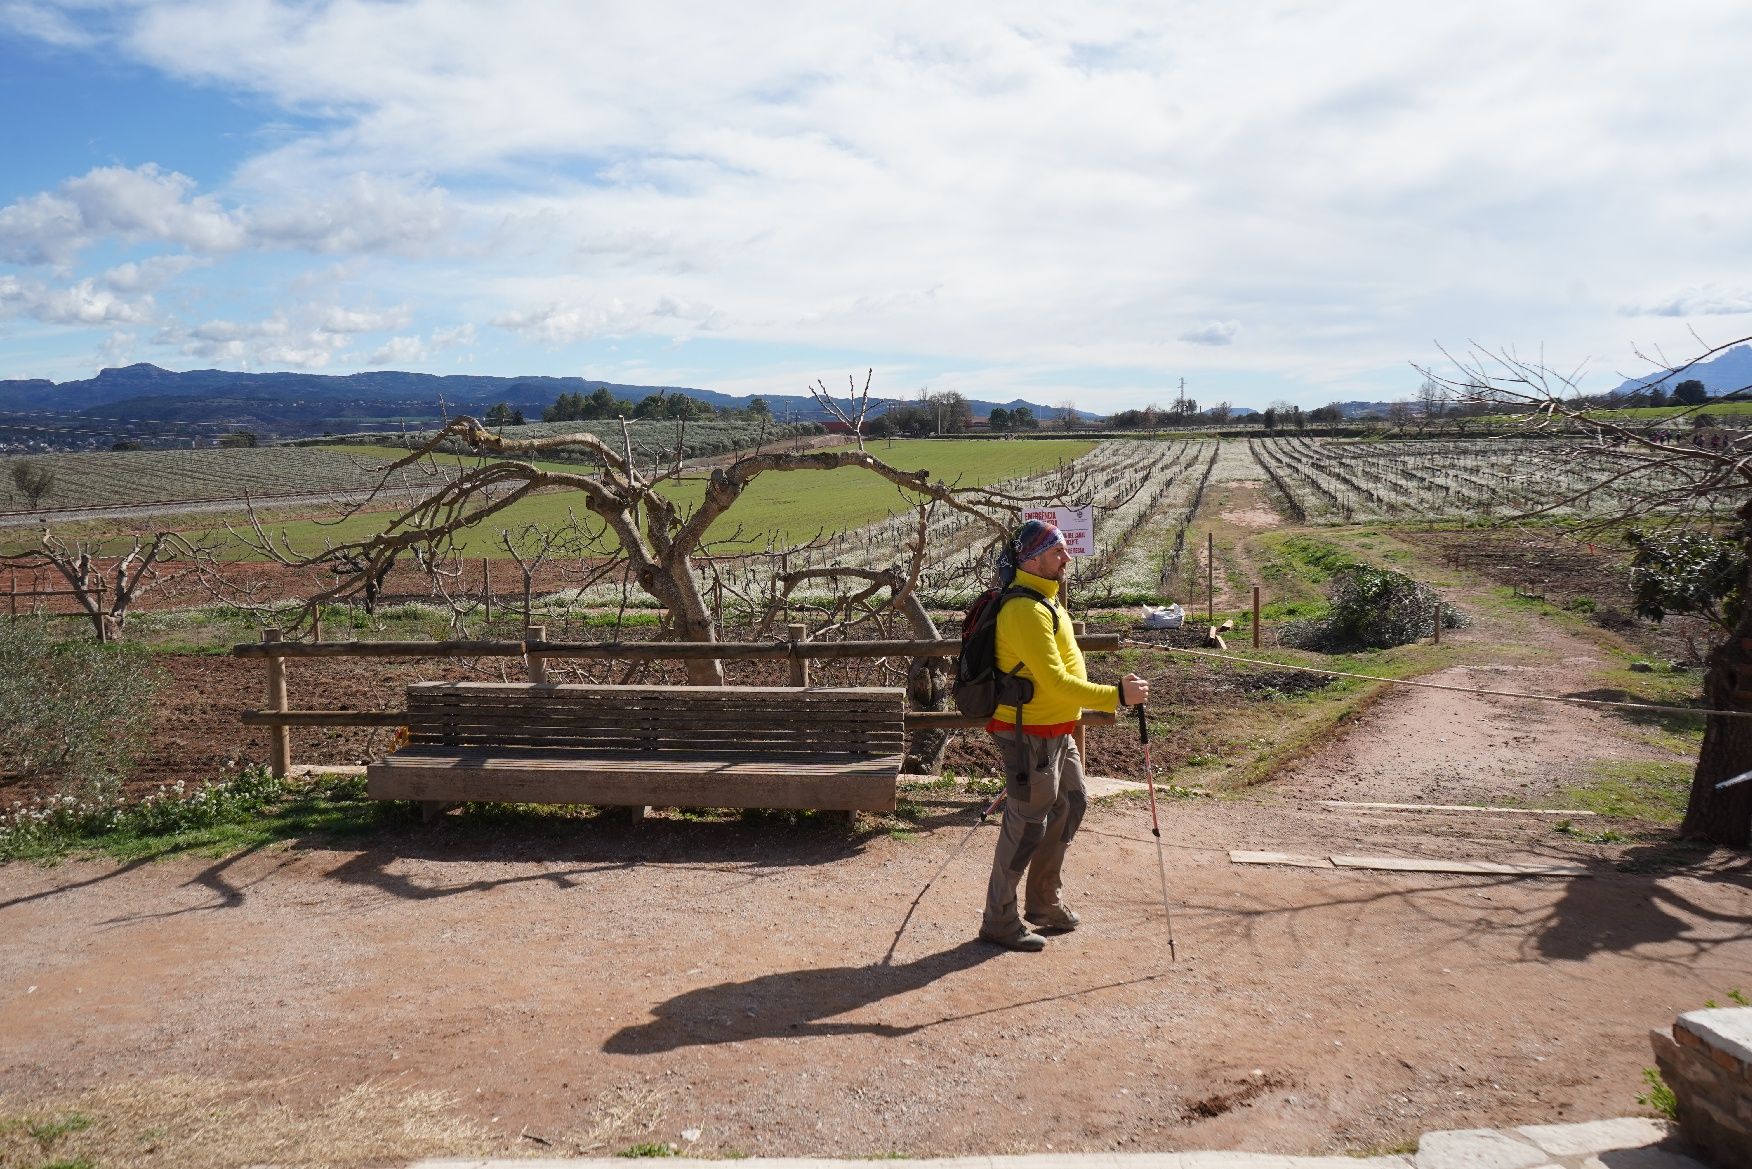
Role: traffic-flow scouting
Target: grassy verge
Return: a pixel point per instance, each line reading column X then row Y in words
column 220, row 818
column 1638, row 789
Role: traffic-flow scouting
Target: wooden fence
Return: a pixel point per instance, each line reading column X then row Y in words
column 537, row 651
column 35, row 592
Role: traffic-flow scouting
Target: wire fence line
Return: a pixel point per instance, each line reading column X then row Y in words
column 1526, row 694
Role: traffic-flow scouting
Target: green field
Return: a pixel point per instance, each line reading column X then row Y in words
column 1678, row 415
column 786, row 506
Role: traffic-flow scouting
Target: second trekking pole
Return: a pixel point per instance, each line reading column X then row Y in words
column 1156, row 827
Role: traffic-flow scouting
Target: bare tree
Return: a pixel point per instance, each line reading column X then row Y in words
column 1647, row 478
column 656, row 537
column 927, row 679
column 857, row 408
column 107, row 592
column 1432, row 402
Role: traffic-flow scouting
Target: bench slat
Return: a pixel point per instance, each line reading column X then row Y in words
column 655, row 746
column 832, row 784
column 606, row 716
column 730, row 695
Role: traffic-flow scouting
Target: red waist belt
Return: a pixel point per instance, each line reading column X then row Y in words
column 1049, row 731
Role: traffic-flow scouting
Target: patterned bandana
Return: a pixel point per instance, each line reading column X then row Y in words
column 1030, row 540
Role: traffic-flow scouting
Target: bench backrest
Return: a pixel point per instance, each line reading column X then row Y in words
column 752, row 720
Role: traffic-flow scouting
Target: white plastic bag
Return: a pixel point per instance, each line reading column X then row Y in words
column 1170, row 617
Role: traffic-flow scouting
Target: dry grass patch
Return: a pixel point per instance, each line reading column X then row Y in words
column 195, row 1123
column 182, row 1122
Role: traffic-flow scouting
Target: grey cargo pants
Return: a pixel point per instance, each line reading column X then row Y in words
column 1040, row 818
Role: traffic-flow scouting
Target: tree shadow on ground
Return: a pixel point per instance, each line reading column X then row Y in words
column 753, row 847
column 1636, row 908
column 1667, row 720
column 801, row 1003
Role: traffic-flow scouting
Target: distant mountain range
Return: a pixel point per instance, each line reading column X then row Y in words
column 303, row 403
column 1728, row 371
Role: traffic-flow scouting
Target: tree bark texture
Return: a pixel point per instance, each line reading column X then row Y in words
column 1725, row 817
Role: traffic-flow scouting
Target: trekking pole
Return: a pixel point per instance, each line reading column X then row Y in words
column 1156, row 827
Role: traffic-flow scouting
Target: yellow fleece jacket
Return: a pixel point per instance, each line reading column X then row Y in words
column 1062, row 690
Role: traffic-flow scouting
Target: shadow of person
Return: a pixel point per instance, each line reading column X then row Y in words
column 790, row 1003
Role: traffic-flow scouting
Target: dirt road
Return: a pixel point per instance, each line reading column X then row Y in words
column 598, row 985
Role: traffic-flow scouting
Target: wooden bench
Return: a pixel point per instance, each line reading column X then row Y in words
column 636, row 746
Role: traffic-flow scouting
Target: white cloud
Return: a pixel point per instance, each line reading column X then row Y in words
column 362, row 214
column 271, row 341
column 562, row 323
column 1215, row 333
column 399, row 351
column 44, row 23
column 144, row 204
column 147, row 275
column 342, row 320
column 82, row 303
column 461, row 335
column 1006, row 191
column 128, row 204
column 1708, row 301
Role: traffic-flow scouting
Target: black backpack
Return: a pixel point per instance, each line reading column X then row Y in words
column 980, row 687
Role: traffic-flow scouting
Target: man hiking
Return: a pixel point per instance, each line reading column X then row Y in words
column 1043, row 771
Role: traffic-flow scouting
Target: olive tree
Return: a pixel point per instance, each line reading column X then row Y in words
column 32, row 480
column 660, row 540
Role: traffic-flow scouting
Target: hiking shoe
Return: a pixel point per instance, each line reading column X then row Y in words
column 1027, row 941
column 1054, row 917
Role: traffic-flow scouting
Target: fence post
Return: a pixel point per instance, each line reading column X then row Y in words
column 537, row 663
column 280, row 737
column 316, row 625
column 487, row 587
column 1211, row 577
column 1255, row 616
column 1438, row 622
column 799, row 666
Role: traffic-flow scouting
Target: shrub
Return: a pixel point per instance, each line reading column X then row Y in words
column 71, row 714
column 32, row 480
column 1372, row 608
column 1685, row 571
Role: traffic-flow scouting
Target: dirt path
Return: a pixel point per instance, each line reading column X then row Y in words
column 598, row 983
column 1432, row 746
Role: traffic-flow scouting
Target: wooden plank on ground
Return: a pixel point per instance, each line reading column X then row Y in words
column 1401, row 864
column 1243, row 857
column 1366, row 806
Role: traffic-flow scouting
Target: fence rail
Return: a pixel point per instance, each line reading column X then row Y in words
column 795, row 649
column 279, row 718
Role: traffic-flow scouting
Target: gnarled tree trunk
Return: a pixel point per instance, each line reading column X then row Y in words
column 1725, row 817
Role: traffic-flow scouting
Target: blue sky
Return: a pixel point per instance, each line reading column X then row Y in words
column 1057, row 201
